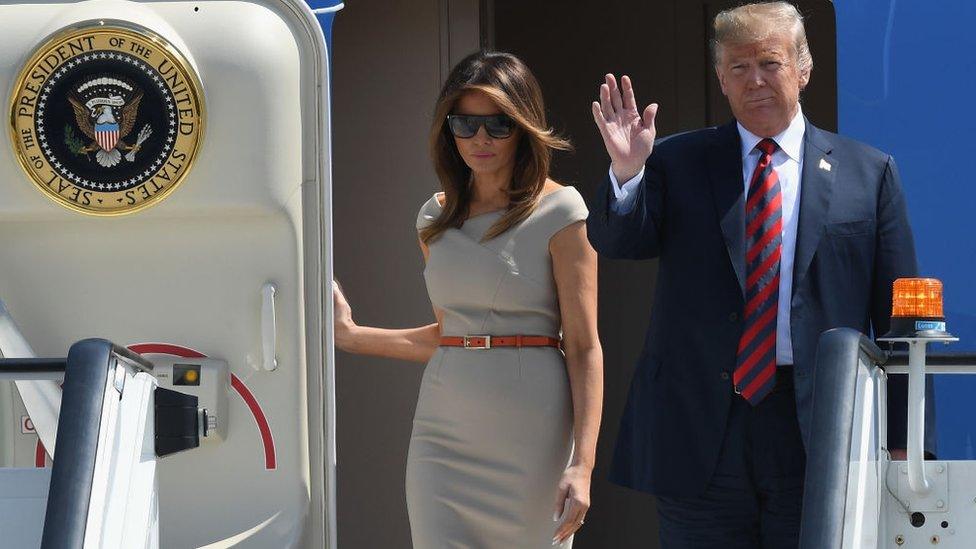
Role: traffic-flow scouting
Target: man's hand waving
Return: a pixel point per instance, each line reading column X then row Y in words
column 627, row 134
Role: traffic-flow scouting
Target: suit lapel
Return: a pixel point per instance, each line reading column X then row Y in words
column 816, row 182
column 725, row 174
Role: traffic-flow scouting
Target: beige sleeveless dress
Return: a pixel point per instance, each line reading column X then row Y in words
column 492, row 431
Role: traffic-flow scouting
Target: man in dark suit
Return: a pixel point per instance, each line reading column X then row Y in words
column 768, row 231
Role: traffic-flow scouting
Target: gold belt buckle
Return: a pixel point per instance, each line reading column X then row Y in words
column 485, row 345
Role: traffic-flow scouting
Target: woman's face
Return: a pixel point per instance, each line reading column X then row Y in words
column 484, row 154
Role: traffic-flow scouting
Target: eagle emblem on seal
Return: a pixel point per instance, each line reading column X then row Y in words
column 107, row 119
column 105, row 109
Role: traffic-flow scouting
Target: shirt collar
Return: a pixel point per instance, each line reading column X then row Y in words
column 790, row 140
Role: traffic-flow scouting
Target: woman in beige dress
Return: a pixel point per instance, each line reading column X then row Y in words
column 504, row 433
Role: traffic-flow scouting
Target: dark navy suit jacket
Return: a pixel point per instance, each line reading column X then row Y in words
column 853, row 241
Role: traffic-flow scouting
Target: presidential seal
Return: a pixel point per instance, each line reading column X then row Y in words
column 107, row 119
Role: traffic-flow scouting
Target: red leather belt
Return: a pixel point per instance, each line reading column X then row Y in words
column 490, row 341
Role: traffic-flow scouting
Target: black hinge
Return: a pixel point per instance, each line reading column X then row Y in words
column 177, row 422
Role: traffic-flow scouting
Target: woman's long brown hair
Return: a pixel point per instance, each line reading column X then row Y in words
column 508, row 82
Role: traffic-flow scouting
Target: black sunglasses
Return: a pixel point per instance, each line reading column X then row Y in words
column 464, row 126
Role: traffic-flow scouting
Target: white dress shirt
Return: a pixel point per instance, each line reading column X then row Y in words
column 788, row 163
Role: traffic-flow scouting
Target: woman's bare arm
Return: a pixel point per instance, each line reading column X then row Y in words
column 574, row 266
column 412, row 344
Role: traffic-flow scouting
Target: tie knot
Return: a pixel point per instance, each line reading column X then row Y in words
column 767, row 146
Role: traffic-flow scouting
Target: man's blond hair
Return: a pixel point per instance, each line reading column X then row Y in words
column 755, row 22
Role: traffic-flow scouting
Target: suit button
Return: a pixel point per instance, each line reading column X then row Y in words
column 733, row 317
column 724, row 376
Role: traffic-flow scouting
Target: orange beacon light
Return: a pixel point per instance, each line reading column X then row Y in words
column 916, row 309
column 917, row 319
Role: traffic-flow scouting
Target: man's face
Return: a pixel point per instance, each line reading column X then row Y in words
column 762, row 82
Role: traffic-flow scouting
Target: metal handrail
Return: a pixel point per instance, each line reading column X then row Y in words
column 135, row 359
column 900, row 358
column 935, row 363
column 30, row 365
column 829, row 447
column 87, row 372
column 31, row 369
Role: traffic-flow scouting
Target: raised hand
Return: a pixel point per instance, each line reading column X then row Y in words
column 627, row 134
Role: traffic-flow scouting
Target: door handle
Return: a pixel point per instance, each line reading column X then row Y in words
column 269, row 343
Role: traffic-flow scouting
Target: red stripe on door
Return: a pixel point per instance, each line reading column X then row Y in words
column 40, row 455
column 270, row 460
column 165, row 349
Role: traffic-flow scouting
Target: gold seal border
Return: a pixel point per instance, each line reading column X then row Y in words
column 130, row 30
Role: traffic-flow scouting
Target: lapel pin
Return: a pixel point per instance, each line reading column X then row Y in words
column 824, row 165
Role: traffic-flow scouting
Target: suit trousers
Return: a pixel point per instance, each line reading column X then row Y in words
column 754, row 498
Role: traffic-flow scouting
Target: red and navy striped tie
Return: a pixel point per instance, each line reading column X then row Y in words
column 755, row 368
